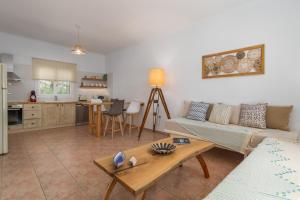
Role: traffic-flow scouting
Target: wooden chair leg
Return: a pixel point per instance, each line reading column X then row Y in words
column 124, row 122
column 106, row 125
column 112, row 127
column 120, row 123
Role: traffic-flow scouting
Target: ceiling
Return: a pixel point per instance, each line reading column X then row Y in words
column 106, row 25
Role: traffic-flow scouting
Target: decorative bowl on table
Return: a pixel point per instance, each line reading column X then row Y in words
column 163, row 148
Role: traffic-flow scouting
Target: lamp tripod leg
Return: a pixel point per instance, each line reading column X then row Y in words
column 150, row 100
column 164, row 103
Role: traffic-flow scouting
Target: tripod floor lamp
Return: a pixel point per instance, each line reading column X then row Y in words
column 156, row 81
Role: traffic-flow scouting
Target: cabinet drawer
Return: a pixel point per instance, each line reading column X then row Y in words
column 32, row 106
column 32, row 114
column 32, row 123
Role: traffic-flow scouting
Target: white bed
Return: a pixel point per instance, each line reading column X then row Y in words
column 271, row 171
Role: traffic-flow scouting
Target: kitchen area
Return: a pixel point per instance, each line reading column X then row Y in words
column 57, row 94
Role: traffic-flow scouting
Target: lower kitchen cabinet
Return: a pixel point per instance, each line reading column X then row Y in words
column 58, row 115
column 46, row 115
column 50, row 115
column 67, row 114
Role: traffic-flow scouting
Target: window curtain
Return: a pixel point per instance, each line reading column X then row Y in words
column 53, row 70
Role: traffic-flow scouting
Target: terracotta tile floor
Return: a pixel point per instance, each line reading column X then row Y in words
column 58, row 164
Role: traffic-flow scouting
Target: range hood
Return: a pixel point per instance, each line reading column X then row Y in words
column 8, row 61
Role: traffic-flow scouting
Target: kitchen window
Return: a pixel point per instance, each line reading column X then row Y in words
column 48, row 87
column 54, row 78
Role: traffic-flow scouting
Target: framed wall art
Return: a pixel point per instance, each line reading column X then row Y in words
column 238, row 62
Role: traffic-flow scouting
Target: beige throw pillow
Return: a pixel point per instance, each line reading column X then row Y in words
column 220, row 114
column 185, row 108
column 278, row 117
column 235, row 114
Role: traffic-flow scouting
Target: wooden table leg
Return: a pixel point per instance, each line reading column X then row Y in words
column 99, row 121
column 90, row 118
column 109, row 189
column 140, row 196
column 203, row 165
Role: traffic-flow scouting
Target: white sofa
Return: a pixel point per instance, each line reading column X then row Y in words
column 270, row 172
column 233, row 137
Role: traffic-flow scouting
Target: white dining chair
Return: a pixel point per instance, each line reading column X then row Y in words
column 132, row 110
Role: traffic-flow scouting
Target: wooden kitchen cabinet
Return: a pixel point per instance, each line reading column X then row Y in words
column 67, row 114
column 50, row 114
column 38, row 116
column 58, row 115
column 32, row 116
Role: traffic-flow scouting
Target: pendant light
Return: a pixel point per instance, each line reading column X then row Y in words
column 78, row 49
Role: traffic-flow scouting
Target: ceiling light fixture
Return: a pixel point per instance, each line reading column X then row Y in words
column 78, row 49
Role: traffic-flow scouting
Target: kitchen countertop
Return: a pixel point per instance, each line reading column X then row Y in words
column 39, row 102
column 51, row 102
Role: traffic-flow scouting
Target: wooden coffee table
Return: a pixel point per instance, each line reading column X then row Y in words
column 151, row 167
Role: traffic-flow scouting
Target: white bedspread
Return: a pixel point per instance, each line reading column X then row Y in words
column 271, row 171
column 230, row 136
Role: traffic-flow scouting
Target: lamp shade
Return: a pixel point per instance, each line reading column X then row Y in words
column 156, row 77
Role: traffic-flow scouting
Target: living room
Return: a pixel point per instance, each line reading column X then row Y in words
column 69, row 140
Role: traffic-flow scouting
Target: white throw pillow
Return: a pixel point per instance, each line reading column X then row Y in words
column 220, row 114
column 235, row 114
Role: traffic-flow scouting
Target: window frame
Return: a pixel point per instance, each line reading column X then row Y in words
column 71, row 94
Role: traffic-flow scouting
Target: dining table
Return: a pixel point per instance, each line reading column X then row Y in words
column 96, row 115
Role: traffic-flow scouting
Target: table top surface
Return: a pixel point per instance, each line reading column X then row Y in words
column 152, row 166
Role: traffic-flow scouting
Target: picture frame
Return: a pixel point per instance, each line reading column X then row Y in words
column 238, row 62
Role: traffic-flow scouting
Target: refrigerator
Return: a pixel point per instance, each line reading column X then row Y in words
column 3, row 110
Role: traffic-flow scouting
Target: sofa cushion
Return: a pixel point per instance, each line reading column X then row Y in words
column 185, row 109
column 253, row 115
column 197, row 111
column 235, row 114
column 220, row 114
column 278, row 117
column 210, row 107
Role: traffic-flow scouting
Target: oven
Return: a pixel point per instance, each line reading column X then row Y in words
column 15, row 114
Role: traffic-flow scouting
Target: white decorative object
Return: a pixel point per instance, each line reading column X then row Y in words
column 133, row 161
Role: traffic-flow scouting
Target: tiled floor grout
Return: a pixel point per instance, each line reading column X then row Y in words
column 66, row 169
column 58, row 153
column 36, row 173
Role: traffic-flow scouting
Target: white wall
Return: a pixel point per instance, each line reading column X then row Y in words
column 274, row 23
column 24, row 49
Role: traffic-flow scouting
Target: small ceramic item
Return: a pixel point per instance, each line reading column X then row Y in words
column 163, row 148
column 132, row 161
column 119, row 159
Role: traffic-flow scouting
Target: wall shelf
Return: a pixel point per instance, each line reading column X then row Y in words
column 92, row 79
column 92, row 87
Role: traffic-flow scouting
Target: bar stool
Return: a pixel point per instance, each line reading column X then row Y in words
column 115, row 116
column 132, row 110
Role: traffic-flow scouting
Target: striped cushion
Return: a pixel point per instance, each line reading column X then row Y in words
column 197, row 111
column 220, row 114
